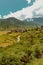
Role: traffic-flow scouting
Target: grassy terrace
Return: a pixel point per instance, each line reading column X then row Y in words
column 28, row 51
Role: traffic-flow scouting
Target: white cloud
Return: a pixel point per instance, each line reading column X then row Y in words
column 28, row 1
column 27, row 12
column 40, row 11
column 0, row 16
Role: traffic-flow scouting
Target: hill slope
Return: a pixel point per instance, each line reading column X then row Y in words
column 36, row 21
column 10, row 23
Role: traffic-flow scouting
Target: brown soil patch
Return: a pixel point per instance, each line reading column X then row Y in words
column 5, row 44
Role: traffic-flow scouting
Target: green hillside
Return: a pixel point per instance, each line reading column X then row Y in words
column 28, row 51
column 21, row 42
column 7, row 24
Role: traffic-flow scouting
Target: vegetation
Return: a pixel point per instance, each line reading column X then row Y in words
column 12, row 23
column 28, row 51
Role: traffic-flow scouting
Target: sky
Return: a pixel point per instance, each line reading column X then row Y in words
column 21, row 9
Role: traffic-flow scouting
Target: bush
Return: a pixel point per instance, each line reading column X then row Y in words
column 9, row 61
column 26, row 58
column 38, row 53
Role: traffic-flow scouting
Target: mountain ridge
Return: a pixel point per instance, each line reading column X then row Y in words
column 12, row 22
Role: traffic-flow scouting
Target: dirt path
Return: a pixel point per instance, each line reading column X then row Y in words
column 18, row 38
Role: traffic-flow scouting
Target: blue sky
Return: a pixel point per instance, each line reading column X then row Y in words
column 13, row 5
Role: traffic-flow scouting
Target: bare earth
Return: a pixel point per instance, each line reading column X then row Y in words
column 5, row 44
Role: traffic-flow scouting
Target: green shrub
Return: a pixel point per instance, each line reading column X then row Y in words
column 38, row 53
column 9, row 61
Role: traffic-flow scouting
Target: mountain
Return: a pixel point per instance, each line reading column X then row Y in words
column 10, row 23
column 37, row 21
